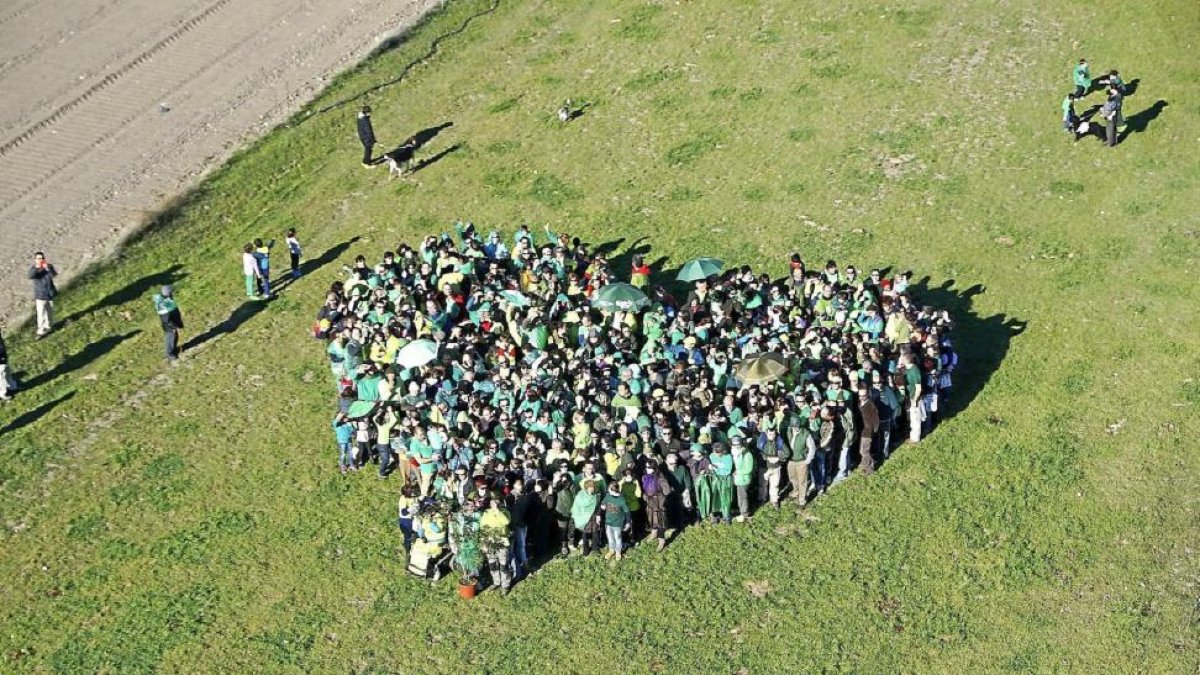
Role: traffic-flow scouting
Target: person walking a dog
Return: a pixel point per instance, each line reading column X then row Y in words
column 366, row 135
column 42, row 273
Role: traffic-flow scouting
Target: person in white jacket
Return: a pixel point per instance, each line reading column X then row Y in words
column 250, row 270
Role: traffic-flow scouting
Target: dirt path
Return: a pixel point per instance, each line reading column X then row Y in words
column 86, row 152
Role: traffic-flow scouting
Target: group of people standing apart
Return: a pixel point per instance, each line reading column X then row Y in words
column 556, row 426
column 1110, row 111
column 256, row 268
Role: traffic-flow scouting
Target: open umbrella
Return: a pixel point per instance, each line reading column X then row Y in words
column 620, row 297
column 515, row 298
column 700, row 268
column 761, row 369
column 417, row 353
column 361, row 409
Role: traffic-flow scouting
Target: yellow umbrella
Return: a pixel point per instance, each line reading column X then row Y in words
column 761, row 369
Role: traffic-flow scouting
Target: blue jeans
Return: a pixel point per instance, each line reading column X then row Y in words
column 406, row 526
column 385, row 458
column 345, row 459
column 843, row 470
column 613, row 534
column 520, row 556
column 818, row 465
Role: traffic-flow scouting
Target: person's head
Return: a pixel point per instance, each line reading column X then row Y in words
column 166, row 291
column 1083, row 62
column 292, row 232
column 39, row 258
column 248, row 248
column 258, row 243
column 366, row 110
column 589, row 486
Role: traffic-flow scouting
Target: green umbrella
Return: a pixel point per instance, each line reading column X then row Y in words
column 761, row 369
column 620, row 297
column 700, row 268
column 515, row 298
column 361, row 409
column 417, row 353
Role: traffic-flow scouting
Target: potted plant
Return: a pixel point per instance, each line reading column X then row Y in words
column 470, row 556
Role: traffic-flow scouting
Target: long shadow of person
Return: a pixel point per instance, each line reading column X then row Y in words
column 240, row 315
column 34, row 415
column 435, row 158
column 80, row 359
column 313, row 264
column 1137, row 122
column 135, row 290
column 421, row 138
column 251, row 308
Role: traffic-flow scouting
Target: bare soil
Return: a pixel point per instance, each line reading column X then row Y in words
column 113, row 107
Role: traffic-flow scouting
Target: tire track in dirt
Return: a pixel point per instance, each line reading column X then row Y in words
column 90, row 166
column 113, row 76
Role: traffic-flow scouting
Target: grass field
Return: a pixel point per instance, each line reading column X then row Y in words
column 190, row 519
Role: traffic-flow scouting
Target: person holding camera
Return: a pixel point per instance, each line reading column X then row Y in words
column 42, row 274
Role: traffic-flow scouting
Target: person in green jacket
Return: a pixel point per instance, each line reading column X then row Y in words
column 1082, row 79
column 704, row 496
column 564, row 500
column 618, row 519
column 722, row 482
column 743, row 474
column 680, row 499
column 1069, row 119
column 585, row 515
column 171, row 319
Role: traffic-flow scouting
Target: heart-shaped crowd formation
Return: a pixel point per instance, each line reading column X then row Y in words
column 532, row 399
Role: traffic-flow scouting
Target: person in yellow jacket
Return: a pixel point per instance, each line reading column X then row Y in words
column 494, row 526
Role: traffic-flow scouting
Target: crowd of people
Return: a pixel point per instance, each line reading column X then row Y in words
column 483, row 378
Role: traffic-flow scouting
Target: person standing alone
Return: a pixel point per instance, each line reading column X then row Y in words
column 42, row 273
column 366, row 134
column 172, row 320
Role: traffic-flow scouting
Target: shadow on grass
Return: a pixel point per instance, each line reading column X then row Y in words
column 982, row 342
column 34, row 415
column 80, row 359
column 132, row 291
column 240, row 315
column 1137, row 122
column 428, row 161
column 251, row 308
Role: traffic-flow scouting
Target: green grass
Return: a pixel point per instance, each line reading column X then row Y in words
column 188, row 518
